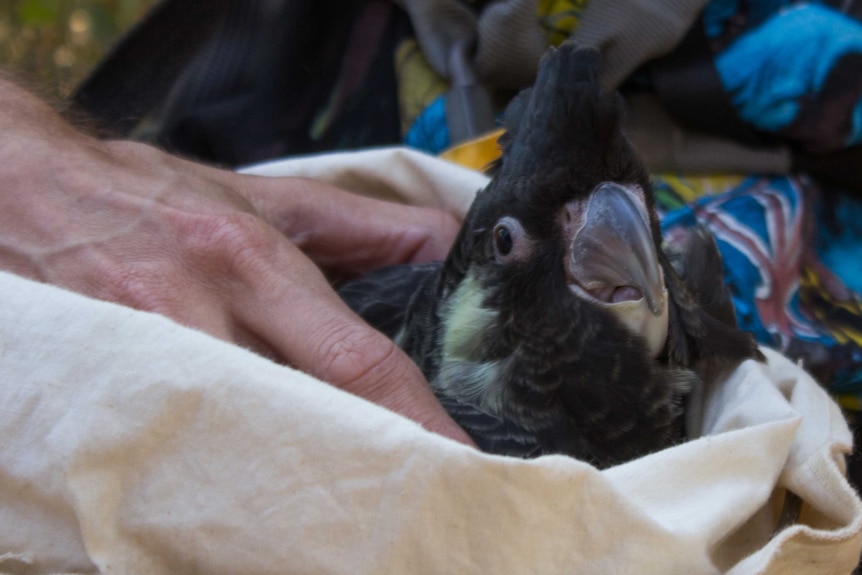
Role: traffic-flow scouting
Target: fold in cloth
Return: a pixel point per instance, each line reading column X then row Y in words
column 134, row 445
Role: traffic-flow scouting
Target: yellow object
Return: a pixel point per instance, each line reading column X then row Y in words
column 418, row 83
column 691, row 187
column 477, row 153
column 559, row 18
column 849, row 401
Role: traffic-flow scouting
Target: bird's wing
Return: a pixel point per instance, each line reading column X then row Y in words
column 699, row 265
column 702, row 321
column 492, row 434
column 382, row 297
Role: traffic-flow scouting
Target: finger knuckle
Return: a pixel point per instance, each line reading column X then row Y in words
column 358, row 359
column 237, row 243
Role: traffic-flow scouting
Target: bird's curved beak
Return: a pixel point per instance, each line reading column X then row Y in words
column 612, row 258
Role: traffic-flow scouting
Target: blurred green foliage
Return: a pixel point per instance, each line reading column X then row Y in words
column 57, row 42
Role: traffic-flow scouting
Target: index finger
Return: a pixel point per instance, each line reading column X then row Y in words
column 348, row 233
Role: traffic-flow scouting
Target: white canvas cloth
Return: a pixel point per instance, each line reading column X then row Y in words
column 131, row 444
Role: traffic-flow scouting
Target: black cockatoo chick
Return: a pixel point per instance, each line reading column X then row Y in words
column 557, row 324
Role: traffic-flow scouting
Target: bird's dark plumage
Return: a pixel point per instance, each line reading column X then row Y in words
column 557, row 324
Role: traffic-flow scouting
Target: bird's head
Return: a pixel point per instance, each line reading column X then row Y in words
column 555, row 277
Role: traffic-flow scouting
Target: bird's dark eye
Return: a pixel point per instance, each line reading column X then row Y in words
column 509, row 241
column 503, row 240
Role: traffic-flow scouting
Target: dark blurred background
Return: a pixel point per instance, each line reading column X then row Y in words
column 56, row 42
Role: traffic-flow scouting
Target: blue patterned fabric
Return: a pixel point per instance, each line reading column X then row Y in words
column 795, row 70
column 840, row 241
column 720, row 16
column 429, row 131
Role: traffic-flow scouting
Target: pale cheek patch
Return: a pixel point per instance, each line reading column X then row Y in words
column 467, row 321
column 463, row 373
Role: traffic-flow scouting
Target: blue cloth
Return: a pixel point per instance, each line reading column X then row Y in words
column 429, row 131
column 840, row 240
column 719, row 15
column 797, row 72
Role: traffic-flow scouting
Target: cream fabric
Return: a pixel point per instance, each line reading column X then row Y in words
column 131, row 444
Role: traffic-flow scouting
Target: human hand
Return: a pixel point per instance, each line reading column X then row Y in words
column 225, row 253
